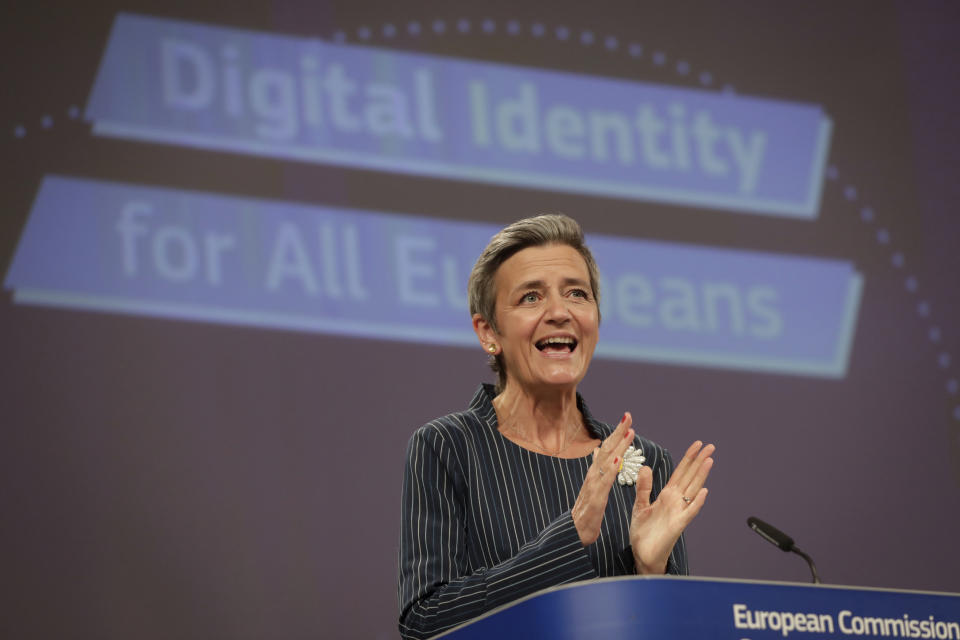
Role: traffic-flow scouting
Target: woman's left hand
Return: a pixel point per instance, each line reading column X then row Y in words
column 655, row 528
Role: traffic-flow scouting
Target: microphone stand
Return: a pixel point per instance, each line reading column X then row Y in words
column 813, row 567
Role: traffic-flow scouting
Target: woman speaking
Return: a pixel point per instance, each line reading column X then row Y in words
column 525, row 489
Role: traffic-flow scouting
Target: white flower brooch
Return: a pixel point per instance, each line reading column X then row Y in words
column 633, row 459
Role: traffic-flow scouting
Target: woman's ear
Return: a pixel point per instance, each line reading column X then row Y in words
column 485, row 333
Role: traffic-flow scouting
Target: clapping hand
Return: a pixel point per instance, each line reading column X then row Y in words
column 592, row 500
column 655, row 528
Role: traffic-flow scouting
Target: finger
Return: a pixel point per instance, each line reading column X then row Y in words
column 602, row 469
column 609, row 467
column 613, row 445
column 688, row 456
column 615, row 459
column 692, row 509
column 696, row 466
column 619, row 433
column 700, row 478
column 644, row 485
column 595, row 464
column 624, row 440
column 688, row 467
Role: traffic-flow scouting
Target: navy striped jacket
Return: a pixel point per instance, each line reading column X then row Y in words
column 485, row 521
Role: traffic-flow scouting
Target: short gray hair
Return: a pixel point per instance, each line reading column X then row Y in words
column 538, row 231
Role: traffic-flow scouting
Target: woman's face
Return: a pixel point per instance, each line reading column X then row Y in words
column 547, row 316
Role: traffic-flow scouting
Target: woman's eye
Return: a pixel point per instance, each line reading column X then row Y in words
column 529, row 297
column 580, row 293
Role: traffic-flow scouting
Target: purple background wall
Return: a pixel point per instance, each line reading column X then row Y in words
column 174, row 479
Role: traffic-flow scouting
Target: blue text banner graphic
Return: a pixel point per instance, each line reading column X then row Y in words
column 210, row 257
column 233, row 90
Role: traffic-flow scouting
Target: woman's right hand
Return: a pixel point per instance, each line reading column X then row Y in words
column 592, row 500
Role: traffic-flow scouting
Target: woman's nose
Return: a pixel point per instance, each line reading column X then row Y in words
column 557, row 310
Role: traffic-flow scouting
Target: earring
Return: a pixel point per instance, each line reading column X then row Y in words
column 492, row 348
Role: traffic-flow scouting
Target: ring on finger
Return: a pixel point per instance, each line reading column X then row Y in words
column 686, row 499
column 600, row 471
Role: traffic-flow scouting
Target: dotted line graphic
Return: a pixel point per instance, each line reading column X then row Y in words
column 922, row 306
column 46, row 122
column 389, row 31
column 634, row 50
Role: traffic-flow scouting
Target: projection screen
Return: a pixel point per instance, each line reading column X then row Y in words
column 236, row 242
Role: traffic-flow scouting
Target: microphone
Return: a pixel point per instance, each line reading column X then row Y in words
column 771, row 533
column 774, row 536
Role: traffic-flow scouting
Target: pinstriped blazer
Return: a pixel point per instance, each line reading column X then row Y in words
column 485, row 521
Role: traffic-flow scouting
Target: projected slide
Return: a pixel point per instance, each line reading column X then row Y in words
column 210, row 257
column 236, row 239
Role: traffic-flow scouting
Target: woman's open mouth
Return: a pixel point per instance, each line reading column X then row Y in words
column 557, row 344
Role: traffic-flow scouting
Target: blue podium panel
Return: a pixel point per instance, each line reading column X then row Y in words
column 681, row 608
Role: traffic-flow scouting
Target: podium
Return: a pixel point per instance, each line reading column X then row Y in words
column 684, row 608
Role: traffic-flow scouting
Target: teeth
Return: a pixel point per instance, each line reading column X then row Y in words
column 556, row 340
